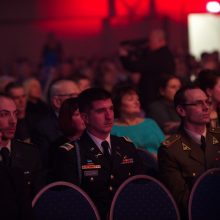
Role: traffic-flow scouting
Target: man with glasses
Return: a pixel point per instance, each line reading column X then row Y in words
column 47, row 130
column 195, row 148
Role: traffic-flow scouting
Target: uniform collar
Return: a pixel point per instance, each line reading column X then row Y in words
column 99, row 141
column 195, row 136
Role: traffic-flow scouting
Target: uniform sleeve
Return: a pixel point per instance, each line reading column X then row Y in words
column 64, row 166
column 170, row 175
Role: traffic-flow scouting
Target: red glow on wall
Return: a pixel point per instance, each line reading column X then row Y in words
column 131, row 7
column 85, row 17
column 72, row 27
column 73, row 8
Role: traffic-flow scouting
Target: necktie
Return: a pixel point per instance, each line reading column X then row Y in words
column 203, row 143
column 5, row 155
column 106, row 148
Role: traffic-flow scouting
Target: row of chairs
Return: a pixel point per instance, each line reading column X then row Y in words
column 139, row 197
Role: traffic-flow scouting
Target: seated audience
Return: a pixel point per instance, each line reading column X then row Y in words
column 183, row 157
column 209, row 82
column 100, row 162
column 144, row 132
column 163, row 110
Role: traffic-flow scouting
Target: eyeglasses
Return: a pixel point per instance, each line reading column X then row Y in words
column 199, row 103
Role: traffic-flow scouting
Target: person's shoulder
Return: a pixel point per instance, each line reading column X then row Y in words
column 67, row 146
column 25, row 146
column 150, row 121
column 23, row 143
column 171, row 141
column 122, row 139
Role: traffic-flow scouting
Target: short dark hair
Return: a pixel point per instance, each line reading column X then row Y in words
column 10, row 86
column 68, row 107
column 118, row 94
column 165, row 78
column 88, row 96
column 207, row 79
column 180, row 98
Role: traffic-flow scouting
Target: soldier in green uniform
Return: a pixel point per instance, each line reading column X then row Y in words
column 184, row 156
column 98, row 162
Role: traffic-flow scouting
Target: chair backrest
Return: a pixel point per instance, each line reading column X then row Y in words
column 149, row 161
column 204, row 201
column 143, row 197
column 62, row 201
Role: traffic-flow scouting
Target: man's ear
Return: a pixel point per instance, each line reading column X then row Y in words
column 56, row 102
column 181, row 111
column 84, row 117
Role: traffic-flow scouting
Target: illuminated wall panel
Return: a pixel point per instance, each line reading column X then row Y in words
column 204, row 33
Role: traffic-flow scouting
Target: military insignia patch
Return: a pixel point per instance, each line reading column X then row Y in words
column 172, row 139
column 185, row 147
column 98, row 155
column 67, row 146
column 127, row 160
column 90, row 173
column 214, row 140
column 91, row 166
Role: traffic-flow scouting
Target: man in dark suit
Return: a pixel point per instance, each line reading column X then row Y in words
column 47, row 130
column 157, row 60
column 18, row 154
column 186, row 155
column 99, row 162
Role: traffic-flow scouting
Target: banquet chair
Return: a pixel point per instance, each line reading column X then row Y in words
column 204, row 201
column 143, row 197
column 63, row 201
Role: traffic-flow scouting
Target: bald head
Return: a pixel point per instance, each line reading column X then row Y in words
column 62, row 90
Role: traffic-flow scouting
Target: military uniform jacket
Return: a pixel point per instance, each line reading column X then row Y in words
column 98, row 176
column 26, row 157
column 14, row 201
column 182, row 161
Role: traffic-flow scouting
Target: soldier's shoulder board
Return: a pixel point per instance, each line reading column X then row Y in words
column 171, row 140
column 26, row 142
column 67, row 146
column 127, row 139
column 215, row 130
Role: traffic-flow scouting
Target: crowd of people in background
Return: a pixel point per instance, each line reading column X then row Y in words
column 55, row 118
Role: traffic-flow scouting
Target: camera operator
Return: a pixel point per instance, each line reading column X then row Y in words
column 152, row 61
